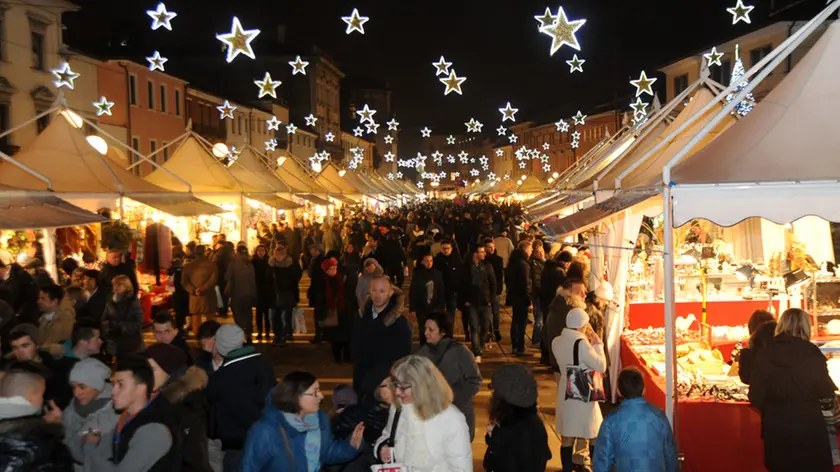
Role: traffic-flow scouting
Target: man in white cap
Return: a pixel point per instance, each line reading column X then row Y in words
column 91, row 412
column 577, row 422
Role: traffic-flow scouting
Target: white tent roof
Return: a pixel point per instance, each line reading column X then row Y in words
column 782, row 161
column 42, row 210
column 194, row 164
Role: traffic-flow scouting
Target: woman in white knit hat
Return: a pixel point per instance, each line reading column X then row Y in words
column 577, row 421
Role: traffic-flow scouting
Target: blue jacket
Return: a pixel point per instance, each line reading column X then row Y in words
column 265, row 450
column 635, row 438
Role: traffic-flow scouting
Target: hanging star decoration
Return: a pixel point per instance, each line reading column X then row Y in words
column 226, row 110
column 355, row 22
column 238, row 41
column 442, row 66
column 472, row 160
column 546, row 146
column 522, row 165
column 473, row 126
column 267, row 86
column 329, row 137
column 156, row 62
column 366, row 114
column 508, row 113
column 426, row 132
column 464, row 157
column 576, row 136
column 547, row 168
column 512, row 138
column 500, row 152
column 643, row 84
column 392, row 125
column 372, row 127
column 390, row 176
column 450, row 159
column 388, row 139
column 740, row 12
column 298, row 66
column 399, row 175
column 232, row 155
column 501, row 130
column 562, row 32
column 310, row 120
column 450, row 139
column 103, row 106
column 389, row 156
column 580, row 118
column 491, row 176
column 273, row 123
column 547, row 19
column 562, row 126
column 161, row 17
column 271, row 144
column 639, row 108
column 437, row 155
column 358, row 131
column 576, row 64
column 291, row 128
column 713, row 57
column 453, row 83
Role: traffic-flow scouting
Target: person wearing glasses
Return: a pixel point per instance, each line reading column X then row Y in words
column 427, row 433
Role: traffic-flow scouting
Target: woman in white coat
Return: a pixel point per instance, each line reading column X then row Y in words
column 577, row 422
column 429, row 433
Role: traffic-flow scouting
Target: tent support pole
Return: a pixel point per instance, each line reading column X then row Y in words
column 122, row 208
column 670, row 307
column 243, row 232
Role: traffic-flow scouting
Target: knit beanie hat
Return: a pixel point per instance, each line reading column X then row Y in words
column 229, row 338
column 577, row 318
column 515, row 385
column 167, row 356
column 90, row 372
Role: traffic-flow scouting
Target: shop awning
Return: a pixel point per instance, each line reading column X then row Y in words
column 275, row 201
column 558, row 205
column 41, row 211
column 344, row 199
column 313, row 199
column 192, row 163
column 589, row 217
column 177, row 205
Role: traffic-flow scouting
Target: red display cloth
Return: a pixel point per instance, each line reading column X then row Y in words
column 643, row 315
column 719, row 436
column 149, row 308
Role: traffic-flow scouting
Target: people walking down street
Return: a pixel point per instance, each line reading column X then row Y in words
column 265, row 291
column 577, row 422
column 351, row 261
column 199, row 279
column 285, row 275
column 180, row 296
column 516, row 437
column 504, row 246
column 427, row 433
column 122, row 324
column 166, row 333
column 381, row 337
column 241, row 287
column 788, row 384
column 537, row 265
column 294, row 434
column 335, row 309
column 478, row 288
column 455, row 362
column 573, row 295
column 426, row 293
column 519, row 295
column 449, row 263
column 370, row 271
column 636, row 436
column 498, row 265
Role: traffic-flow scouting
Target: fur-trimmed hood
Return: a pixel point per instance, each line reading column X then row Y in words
column 572, row 300
column 394, row 309
column 193, row 380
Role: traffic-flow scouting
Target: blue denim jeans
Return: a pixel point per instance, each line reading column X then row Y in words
column 519, row 309
column 281, row 323
column 496, row 306
column 479, row 320
column 536, row 334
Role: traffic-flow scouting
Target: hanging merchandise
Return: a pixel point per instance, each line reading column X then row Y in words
column 157, row 250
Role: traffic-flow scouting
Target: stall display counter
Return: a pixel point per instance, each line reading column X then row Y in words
column 719, row 313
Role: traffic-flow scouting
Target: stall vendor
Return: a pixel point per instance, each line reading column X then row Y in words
column 697, row 235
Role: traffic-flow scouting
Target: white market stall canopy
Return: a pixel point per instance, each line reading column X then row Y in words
column 40, row 210
column 531, row 184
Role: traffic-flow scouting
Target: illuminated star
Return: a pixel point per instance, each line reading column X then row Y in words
column 311, row 120
column 474, row 172
column 547, row 168
column 64, row 76
column 329, row 137
column 267, row 86
column 372, row 127
column 740, row 12
column 575, row 144
column 546, row 146
column 450, row 139
column 713, row 57
column 547, row 19
column 508, row 113
column 389, row 156
column 226, row 110
column 437, row 155
column 442, row 66
column 576, row 64
column 562, row 126
column 576, row 136
column 512, row 138
column 388, row 139
column 238, row 41
column 639, row 108
column 426, row 132
column 366, row 114
column 355, row 22
column 464, row 157
column 161, row 17
column 298, row 66
column 500, row 152
column 273, row 124
column 491, row 176
column 358, row 131
column 291, row 128
column 501, row 130
column 390, row 176
column 562, row 31
column 473, row 126
column 579, row 118
column 271, row 144
column 450, row 159
column 643, row 84
column 392, row 125
column 523, row 165
column 399, row 175
column 453, row 83
column 156, row 62
column 103, row 106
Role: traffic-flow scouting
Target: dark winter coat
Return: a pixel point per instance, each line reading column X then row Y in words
column 94, row 308
column 285, row 278
column 518, row 277
column 347, row 315
column 555, row 322
column 762, row 338
column 789, row 379
column 553, row 277
column 265, row 289
column 28, row 443
column 427, row 292
column 108, row 272
column 519, row 444
column 498, row 264
column 450, row 267
column 123, row 333
column 20, row 291
column 158, row 411
column 536, row 266
column 478, row 285
column 185, row 395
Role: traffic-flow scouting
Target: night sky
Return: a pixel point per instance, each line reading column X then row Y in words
column 497, row 48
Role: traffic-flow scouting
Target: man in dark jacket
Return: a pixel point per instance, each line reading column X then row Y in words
column 18, row 289
column 25, row 342
column 553, row 279
column 284, row 275
column 450, row 266
column 237, row 392
column 316, row 279
column 115, row 266
column 166, row 333
column 98, row 297
column 519, row 294
column 426, row 293
column 382, row 336
column 497, row 263
column 478, row 288
column 573, row 295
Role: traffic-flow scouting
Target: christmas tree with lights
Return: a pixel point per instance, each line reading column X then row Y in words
column 738, row 72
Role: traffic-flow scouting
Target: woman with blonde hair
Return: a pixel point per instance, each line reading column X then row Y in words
column 789, row 386
column 426, row 432
column 122, row 323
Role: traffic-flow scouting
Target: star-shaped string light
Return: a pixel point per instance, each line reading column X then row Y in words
column 271, row 144
column 156, row 62
column 291, row 128
column 399, row 175
column 358, row 131
column 562, row 31
column 501, row 130
column 500, row 152
column 366, row 114
column 103, row 106
column 442, row 67
column 64, row 76
column 576, row 64
column 639, row 108
column 547, row 168
column 512, row 138
column 298, row 66
column 464, row 157
column 643, row 84
column 522, row 164
column 546, row 19
column 453, row 83
column 238, row 41
column 389, row 156
column 740, row 12
column 161, row 17
column 372, row 127
column 226, row 110
column 576, row 136
column 562, row 126
column 713, row 57
column 450, row 159
column 393, row 125
column 329, row 137
column 580, row 119
column 546, row 146
column 311, row 120
column 508, row 113
column 450, row 139
column 388, row 139
column 491, row 176
column 267, row 86
column 390, row 176
column 473, row 126
column 355, row 22
column 426, row 132
column 273, row 123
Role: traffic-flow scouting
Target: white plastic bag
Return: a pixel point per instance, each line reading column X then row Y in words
column 220, row 302
column 298, row 321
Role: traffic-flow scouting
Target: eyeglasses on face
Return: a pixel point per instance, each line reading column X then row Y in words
column 401, row 386
column 316, row 393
